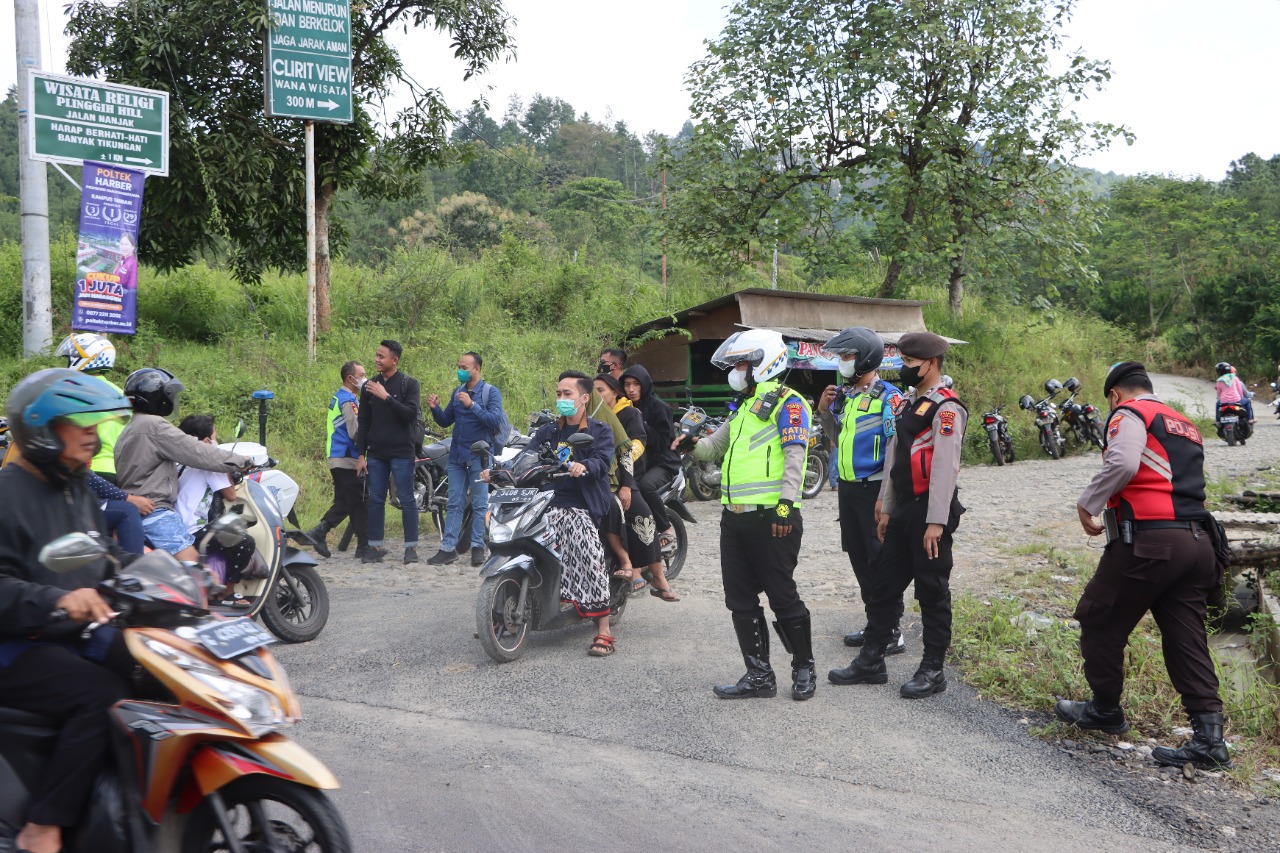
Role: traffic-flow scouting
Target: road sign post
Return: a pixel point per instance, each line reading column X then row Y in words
column 74, row 119
column 308, row 64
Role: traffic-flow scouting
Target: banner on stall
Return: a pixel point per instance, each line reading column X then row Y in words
column 807, row 355
column 106, row 296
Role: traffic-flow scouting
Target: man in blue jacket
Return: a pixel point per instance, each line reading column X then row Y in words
column 474, row 412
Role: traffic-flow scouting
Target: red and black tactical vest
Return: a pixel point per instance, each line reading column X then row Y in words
column 913, row 453
column 1170, row 480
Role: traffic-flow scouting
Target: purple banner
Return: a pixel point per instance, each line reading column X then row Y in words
column 106, row 298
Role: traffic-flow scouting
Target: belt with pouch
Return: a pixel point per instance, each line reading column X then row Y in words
column 742, row 509
column 1173, row 524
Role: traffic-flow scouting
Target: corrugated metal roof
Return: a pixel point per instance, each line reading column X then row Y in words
column 821, row 336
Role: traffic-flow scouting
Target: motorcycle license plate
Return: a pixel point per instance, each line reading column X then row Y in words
column 1229, row 419
column 512, row 496
column 231, row 639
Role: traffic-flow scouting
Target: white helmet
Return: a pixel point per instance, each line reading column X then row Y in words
column 87, row 352
column 764, row 349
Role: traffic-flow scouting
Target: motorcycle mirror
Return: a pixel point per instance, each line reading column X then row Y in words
column 70, row 552
column 229, row 530
column 238, row 432
column 481, row 447
column 581, row 439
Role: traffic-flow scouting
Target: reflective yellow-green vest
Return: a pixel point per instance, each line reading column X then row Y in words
column 865, row 428
column 108, row 432
column 753, row 465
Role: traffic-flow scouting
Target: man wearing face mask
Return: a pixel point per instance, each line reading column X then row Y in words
column 764, row 446
column 474, row 412
column 862, row 412
column 342, row 426
column 919, row 511
column 612, row 361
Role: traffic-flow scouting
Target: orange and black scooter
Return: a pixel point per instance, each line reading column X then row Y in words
column 200, row 761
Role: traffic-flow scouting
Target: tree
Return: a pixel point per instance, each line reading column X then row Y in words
column 236, row 176
column 938, row 119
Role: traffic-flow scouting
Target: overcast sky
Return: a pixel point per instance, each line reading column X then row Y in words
column 1195, row 81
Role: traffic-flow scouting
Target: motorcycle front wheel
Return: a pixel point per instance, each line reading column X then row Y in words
column 674, row 557
column 815, row 474
column 1049, row 442
column 294, row 618
column 997, row 452
column 698, row 486
column 502, row 627
column 266, row 813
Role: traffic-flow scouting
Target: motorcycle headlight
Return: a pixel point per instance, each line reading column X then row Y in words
column 502, row 531
column 255, row 709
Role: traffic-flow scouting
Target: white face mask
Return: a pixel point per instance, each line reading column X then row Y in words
column 848, row 369
column 360, row 382
column 738, row 379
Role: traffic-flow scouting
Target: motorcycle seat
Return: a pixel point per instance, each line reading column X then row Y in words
column 16, row 717
column 436, row 451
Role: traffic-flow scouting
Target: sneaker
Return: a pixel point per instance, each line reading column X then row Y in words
column 410, row 555
column 443, row 558
column 373, row 554
column 477, row 556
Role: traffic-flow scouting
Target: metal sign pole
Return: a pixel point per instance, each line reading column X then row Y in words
column 37, row 309
column 310, row 127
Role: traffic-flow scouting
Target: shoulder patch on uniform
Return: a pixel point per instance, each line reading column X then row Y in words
column 795, row 412
column 1115, row 428
column 946, row 422
column 898, row 404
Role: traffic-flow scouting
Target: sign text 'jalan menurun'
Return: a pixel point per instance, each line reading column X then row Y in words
column 309, row 60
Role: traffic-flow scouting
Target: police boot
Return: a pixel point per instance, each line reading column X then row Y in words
column 866, row 668
column 759, row 680
column 345, row 542
column 1206, row 749
column 797, row 637
column 928, row 680
column 316, row 535
column 1092, row 715
column 896, row 646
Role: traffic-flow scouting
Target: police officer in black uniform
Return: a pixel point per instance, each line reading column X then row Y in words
column 919, row 513
column 1159, row 557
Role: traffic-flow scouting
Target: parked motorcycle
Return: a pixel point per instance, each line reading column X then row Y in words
column 1082, row 419
column 521, row 588
column 703, row 476
column 1275, row 403
column 675, row 552
column 1051, row 440
column 1233, row 424
column 997, row 427
column 199, row 761
column 815, row 470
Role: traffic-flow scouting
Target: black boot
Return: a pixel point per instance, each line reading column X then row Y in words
column 345, row 542
column 896, row 646
column 1091, row 715
column 797, row 637
column 316, row 535
column 759, row 680
column 1206, row 749
column 928, row 680
column 866, row 668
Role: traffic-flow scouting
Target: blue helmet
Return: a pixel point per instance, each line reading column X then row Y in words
column 48, row 397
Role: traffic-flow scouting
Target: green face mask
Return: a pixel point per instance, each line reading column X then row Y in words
column 464, row 376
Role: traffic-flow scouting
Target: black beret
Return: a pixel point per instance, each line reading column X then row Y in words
column 922, row 345
column 1122, row 371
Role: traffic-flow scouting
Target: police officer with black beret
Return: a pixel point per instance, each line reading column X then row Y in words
column 1159, row 557
column 919, row 513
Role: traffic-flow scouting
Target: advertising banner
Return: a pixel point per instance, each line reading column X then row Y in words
column 106, row 296
column 806, row 355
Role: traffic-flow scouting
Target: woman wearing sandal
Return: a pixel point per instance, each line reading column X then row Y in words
column 640, row 528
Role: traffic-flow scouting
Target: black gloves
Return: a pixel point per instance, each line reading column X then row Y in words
column 782, row 513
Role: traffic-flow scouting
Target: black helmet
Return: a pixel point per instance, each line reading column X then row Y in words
column 1052, row 386
column 1222, row 368
column 152, row 391
column 864, row 345
column 1027, row 402
column 48, row 397
column 1072, row 384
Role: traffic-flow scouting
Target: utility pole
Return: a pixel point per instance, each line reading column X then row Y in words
column 310, row 129
column 37, row 314
column 664, row 231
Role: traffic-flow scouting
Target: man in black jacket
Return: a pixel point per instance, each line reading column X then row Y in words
column 389, row 408
column 662, row 462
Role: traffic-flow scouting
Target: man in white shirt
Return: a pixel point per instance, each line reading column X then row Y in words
column 196, row 489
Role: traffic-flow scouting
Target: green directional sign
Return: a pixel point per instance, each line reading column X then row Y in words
column 309, row 60
column 74, row 119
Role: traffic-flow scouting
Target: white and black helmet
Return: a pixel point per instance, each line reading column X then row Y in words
column 87, row 352
column 763, row 349
column 866, row 347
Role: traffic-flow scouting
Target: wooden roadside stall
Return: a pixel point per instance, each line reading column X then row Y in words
column 677, row 349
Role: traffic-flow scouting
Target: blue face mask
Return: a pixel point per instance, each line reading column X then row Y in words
column 464, row 376
column 566, row 408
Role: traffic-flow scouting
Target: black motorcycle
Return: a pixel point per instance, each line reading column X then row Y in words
column 1233, row 423
column 1046, row 413
column 997, row 427
column 816, row 463
column 1082, row 419
column 703, row 476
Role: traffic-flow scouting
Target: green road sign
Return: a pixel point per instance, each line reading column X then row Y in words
column 74, row 119
column 309, row 60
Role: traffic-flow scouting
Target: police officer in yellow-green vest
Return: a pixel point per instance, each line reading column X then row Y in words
column 340, row 451
column 861, row 413
column 763, row 447
column 94, row 354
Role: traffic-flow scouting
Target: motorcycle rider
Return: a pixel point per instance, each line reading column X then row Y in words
column 764, row 445
column 1231, row 390
column 342, row 426
column 44, row 667
column 149, row 451
column 919, row 512
column 661, row 463
column 863, row 412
